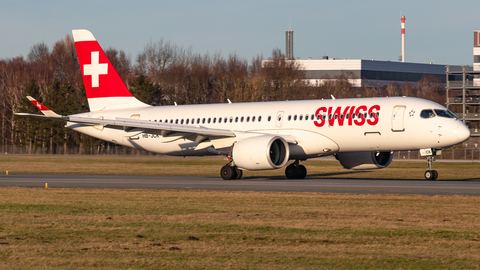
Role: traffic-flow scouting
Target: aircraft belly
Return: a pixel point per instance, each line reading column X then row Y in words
column 310, row 144
column 149, row 142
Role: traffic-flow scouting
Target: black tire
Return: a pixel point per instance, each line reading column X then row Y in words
column 435, row 175
column 291, row 171
column 239, row 173
column 302, row 172
column 429, row 175
column 228, row 172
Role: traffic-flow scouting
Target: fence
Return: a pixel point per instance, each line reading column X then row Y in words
column 472, row 153
column 60, row 150
column 447, row 154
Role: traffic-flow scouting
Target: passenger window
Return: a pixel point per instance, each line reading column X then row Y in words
column 248, row 118
column 171, row 121
column 219, row 120
column 253, row 119
column 231, row 119
column 236, row 119
column 181, row 122
column 318, row 116
column 301, row 117
column 427, row 114
column 209, row 119
column 260, row 119
column 225, row 120
column 188, row 121
column 241, row 119
column 203, row 121
column 289, row 117
column 269, row 118
column 295, row 117
column 214, row 120
column 176, row 122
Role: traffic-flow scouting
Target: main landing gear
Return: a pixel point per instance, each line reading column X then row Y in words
column 231, row 172
column 430, row 174
column 295, row 171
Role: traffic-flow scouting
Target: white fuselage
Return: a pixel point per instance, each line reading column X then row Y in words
column 318, row 127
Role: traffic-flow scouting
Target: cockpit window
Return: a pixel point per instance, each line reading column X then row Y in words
column 445, row 113
column 427, row 114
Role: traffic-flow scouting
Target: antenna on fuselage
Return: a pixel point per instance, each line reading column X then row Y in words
column 175, row 103
column 332, row 96
column 229, row 102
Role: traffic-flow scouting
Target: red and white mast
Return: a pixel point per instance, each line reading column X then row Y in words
column 403, row 38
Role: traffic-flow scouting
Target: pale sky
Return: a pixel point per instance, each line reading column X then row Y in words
column 436, row 31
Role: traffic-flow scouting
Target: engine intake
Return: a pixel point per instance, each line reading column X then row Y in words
column 365, row 160
column 261, row 153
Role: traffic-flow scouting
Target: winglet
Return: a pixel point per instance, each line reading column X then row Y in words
column 46, row 111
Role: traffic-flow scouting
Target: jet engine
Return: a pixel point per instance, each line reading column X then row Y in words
column 263, row 152
column 365, row 160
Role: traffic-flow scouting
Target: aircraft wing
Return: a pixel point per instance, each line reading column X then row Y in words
column 142, row 125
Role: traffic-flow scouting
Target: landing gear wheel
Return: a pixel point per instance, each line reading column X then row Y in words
column 302, row 172
column 239, row 173
column 228, row 172
column 295, row 171
column 291, row 171
column 431, row 175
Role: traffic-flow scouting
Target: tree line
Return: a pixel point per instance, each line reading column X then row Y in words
column 161, row 74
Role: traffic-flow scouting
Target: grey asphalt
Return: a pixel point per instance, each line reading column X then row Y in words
column 324, row 185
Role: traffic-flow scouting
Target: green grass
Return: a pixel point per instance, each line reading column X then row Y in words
column 210, row 166
column 151, row 229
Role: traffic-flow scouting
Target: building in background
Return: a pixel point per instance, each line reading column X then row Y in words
column 361, row 72
column 463, row 90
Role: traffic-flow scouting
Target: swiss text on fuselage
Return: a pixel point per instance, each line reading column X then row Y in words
column 349, row 115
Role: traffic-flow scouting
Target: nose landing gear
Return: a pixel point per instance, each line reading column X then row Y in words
column 430, row 174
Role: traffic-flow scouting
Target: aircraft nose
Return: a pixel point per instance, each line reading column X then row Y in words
column 462, row 132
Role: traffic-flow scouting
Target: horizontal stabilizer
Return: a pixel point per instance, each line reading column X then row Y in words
column 46, row 111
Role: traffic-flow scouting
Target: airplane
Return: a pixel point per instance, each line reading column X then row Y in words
column 361, row 133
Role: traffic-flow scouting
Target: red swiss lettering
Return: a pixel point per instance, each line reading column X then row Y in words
column 373, row 120
column 355, row 115
column 319, row 117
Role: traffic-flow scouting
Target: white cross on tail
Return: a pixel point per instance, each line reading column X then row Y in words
column 95, row 69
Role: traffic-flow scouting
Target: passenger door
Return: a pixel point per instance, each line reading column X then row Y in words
column 397, row 118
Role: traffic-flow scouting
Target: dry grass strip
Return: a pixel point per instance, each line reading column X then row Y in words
column 152, row 229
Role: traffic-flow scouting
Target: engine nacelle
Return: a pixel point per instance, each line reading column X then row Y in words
column 365, row 160
column 263, row 152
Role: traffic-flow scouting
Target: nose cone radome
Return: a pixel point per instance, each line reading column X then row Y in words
column 462, row 132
